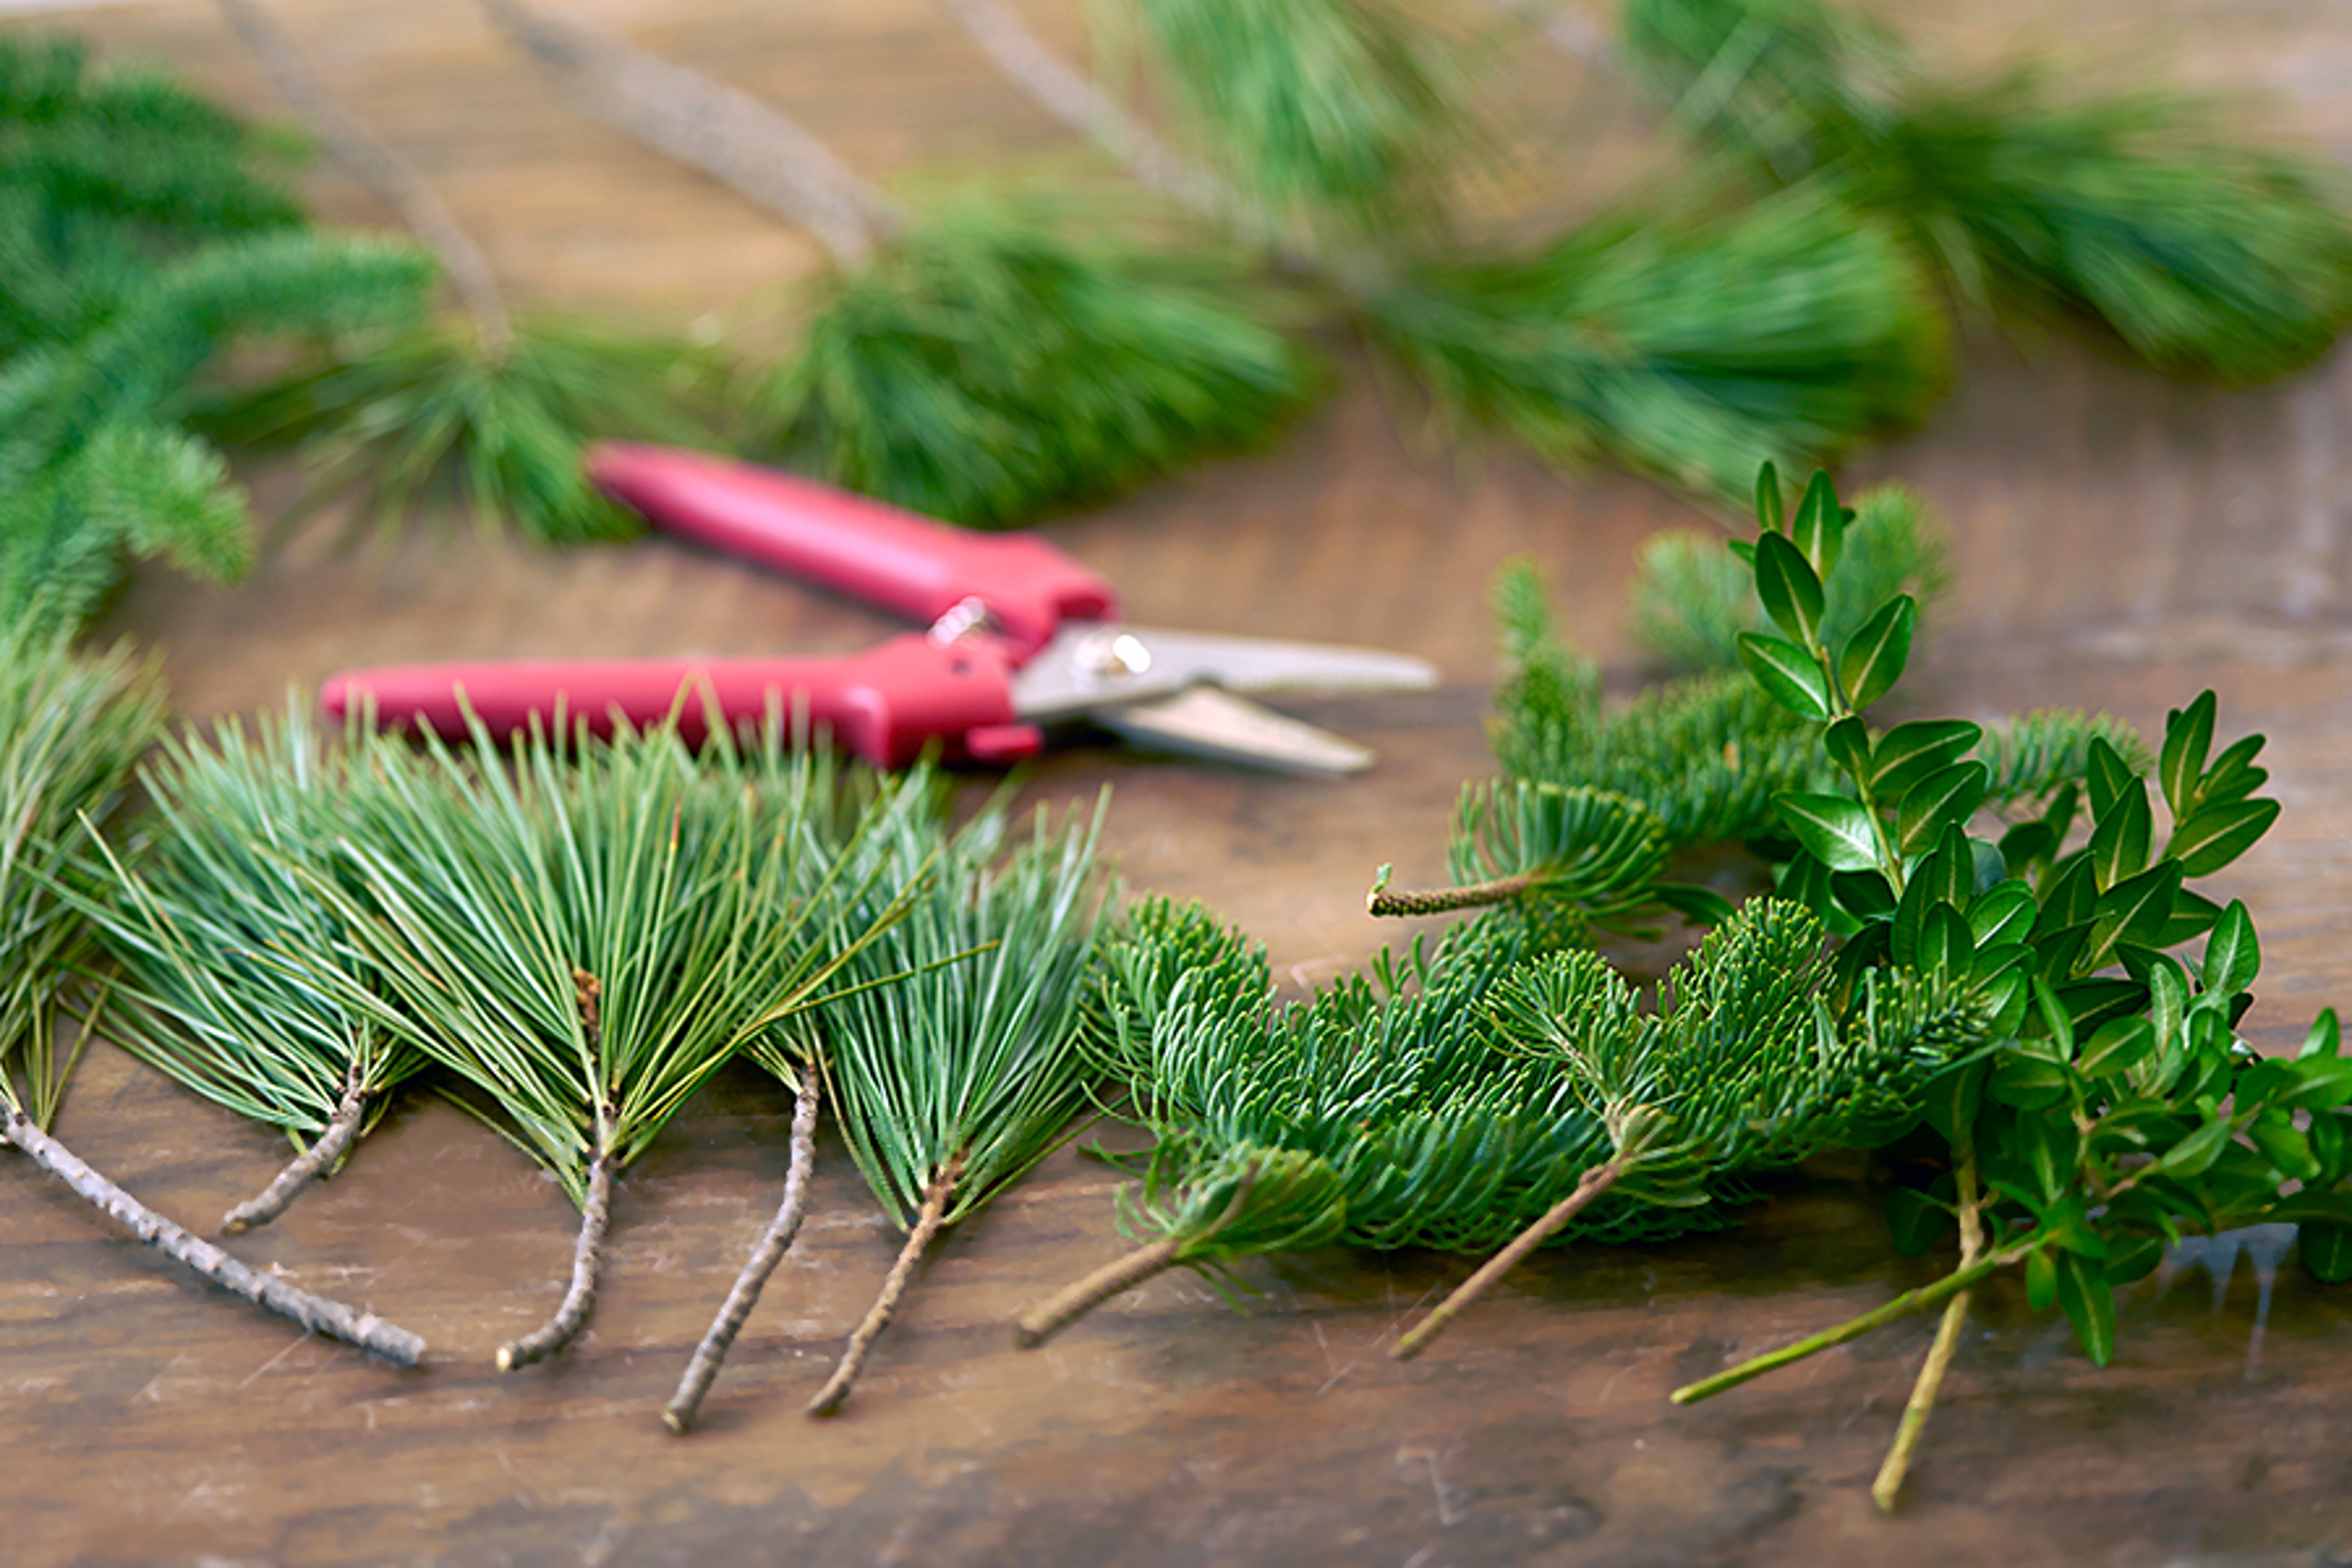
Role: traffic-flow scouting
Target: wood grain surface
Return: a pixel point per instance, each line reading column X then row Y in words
column 2120, row 542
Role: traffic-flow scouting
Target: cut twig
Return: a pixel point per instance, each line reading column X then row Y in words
column 774, row 1243
column 1058, row 1311
column 1443, row 900
column 835, row 1393
column 1888, row 1487
column 587, row 1261
column 388, row 177
column 312, row 1163
column 728, row 135
column 1594, row 1182
column 315, row 1313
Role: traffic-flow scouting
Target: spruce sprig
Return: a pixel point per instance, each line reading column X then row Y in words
column 582, row 934
column 955, row 1078
column 217, row 941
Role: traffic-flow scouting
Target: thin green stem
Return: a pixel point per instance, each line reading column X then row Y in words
column 1889, row 1484
column 1594, row 1182
column 1902, row 1306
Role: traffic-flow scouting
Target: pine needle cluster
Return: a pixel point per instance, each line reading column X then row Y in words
column 990, row 362
column 2203, row 254
column 1691, row 346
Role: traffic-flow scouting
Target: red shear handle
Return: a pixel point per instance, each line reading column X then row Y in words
column 885, row 704
column 904, row 563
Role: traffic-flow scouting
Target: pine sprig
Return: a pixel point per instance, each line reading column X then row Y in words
column 1692, row 346
column 2207, row 256
column 216, row 942
column 1588, row 857
column 966, row 1068
column 583, row 942
column 988, row 364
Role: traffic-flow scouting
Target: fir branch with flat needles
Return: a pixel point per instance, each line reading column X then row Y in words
column 953, row 1082
column 1691, row 346
column 216, row 942
column 1692, row 597
column 1743, row 1067
column 2206, row 254
column 502, row 404
column 582, row 934
column 1589, row 857
column 72, row 728
column 1380, row 1114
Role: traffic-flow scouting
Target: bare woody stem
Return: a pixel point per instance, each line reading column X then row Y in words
column 774, row 1242
column 311, row 1164
column 1059, row 1310
column 315, row 1313
column 1902, row 1306
column 727, row 134
column 388, row 177
column 595, row 1212
column 1443, row 900
column 1888, row 1487
column 1594, row 1182
column 835, row 1393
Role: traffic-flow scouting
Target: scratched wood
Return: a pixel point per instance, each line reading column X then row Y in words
column 2120, row 542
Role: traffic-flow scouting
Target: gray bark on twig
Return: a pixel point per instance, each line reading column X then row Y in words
column 774, row 1242
column 315, row 1313
column 835, row 1393
column 726, row 133
column 391, row 178
column 310, row 1164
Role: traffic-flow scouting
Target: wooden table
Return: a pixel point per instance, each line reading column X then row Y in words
column 2118, row 543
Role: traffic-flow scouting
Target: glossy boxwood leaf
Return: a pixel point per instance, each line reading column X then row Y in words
column 1947, row 874
column 1787, row 674
column 2070, row 898
column 2090, row 1305
column 2107, row 775
column 1944, row 943
column 2003, row 914
column 1944, row 799
column 1819, row 528
column 2054, row 952
column 2233, row 954
column 1949, row 1101
column 1790, row 588
column 1911, row 751
column 2325, row 1250
column 2041, row 1279
column 2028, row 1082
column 2192, row 916
column 2188, row 738
column 2193, row 1154
column 2116, row 1047
column 1848, row 744
column 2325, row 1135
column 2090, row 1003
column 2317, row 1083
column 2120, row 840
column 1769, row 517
column 2218, row 834
column 2134, row 1260
column 2133, row 910
column 1805, row 880
column 1863, row 893
column 1836, row 831
column 2273, row 1133
column 1875, row 654
column 2025, row 844
column 2006, row 995
column 1915, row 1221
column 2233, row 775
column 2325, row 1038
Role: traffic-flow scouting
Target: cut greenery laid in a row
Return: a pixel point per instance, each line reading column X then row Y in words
column 1973, row 953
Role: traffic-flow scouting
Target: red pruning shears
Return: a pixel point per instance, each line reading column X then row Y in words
column 1020, row 637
